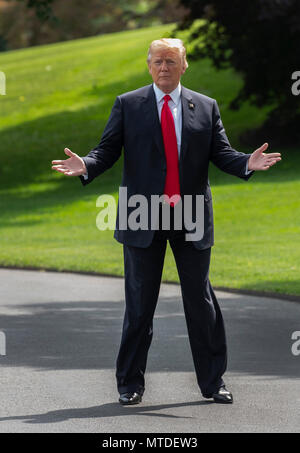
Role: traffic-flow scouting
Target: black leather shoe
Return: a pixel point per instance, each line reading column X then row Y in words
column 130, row 398
column 222, row 396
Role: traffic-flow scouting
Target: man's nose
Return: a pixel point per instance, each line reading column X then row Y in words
column 164, row 66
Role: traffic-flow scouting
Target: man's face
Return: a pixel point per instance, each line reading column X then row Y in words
column 166, row 67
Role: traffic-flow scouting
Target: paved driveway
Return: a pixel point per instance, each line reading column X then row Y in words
column 62, row 337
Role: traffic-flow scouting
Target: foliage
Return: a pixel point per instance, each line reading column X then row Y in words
column 259, row 39
column 26, row 23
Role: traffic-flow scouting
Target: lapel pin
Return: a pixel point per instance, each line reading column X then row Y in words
column 191, row 106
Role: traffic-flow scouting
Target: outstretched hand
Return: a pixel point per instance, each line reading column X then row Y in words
column 74, row 166
column 261, row 161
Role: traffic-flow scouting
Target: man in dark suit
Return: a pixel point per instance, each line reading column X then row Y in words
column 169, row 134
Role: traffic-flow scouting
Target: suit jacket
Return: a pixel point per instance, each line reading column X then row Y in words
column 134, row 126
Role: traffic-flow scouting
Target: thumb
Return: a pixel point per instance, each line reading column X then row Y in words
column 69, row 152
column 263, row 148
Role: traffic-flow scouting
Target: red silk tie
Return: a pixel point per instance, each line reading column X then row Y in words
column 172, row 186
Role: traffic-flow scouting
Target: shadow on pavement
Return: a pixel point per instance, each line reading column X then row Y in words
column 106, row 410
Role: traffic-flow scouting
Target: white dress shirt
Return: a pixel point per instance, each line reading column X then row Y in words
column 175, row 105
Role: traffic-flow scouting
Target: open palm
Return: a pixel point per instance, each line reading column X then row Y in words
column 262, row 161
column 74, row 166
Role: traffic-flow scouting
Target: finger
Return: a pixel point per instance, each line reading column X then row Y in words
column 59, row 166
column 57, row 169
column 61, row 170
column 58, row 161
column 272, row 161
column 273, row 155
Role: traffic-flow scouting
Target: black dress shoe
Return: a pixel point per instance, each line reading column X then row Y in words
column 130, row 398
column 222, row 396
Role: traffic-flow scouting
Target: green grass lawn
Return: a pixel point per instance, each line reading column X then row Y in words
column 60, row 95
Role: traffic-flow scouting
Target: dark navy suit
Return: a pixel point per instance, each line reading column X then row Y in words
column 134, row 127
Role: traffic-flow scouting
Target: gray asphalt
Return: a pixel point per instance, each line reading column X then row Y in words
column 62, row 337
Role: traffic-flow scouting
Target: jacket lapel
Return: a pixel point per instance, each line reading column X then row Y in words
column 188, row 115
column 152, row 118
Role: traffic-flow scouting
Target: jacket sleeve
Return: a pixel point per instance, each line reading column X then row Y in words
column 222, row 154
column 108, row 151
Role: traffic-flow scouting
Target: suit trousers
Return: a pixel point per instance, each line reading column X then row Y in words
column 143, row 270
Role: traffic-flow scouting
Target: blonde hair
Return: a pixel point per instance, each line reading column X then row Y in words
column 168, row 43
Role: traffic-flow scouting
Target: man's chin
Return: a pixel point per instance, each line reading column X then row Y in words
column 165, row 85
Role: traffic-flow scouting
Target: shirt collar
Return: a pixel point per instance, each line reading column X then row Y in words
column 174, row 95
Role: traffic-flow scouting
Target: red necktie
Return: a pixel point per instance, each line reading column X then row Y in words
column 170, row 143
